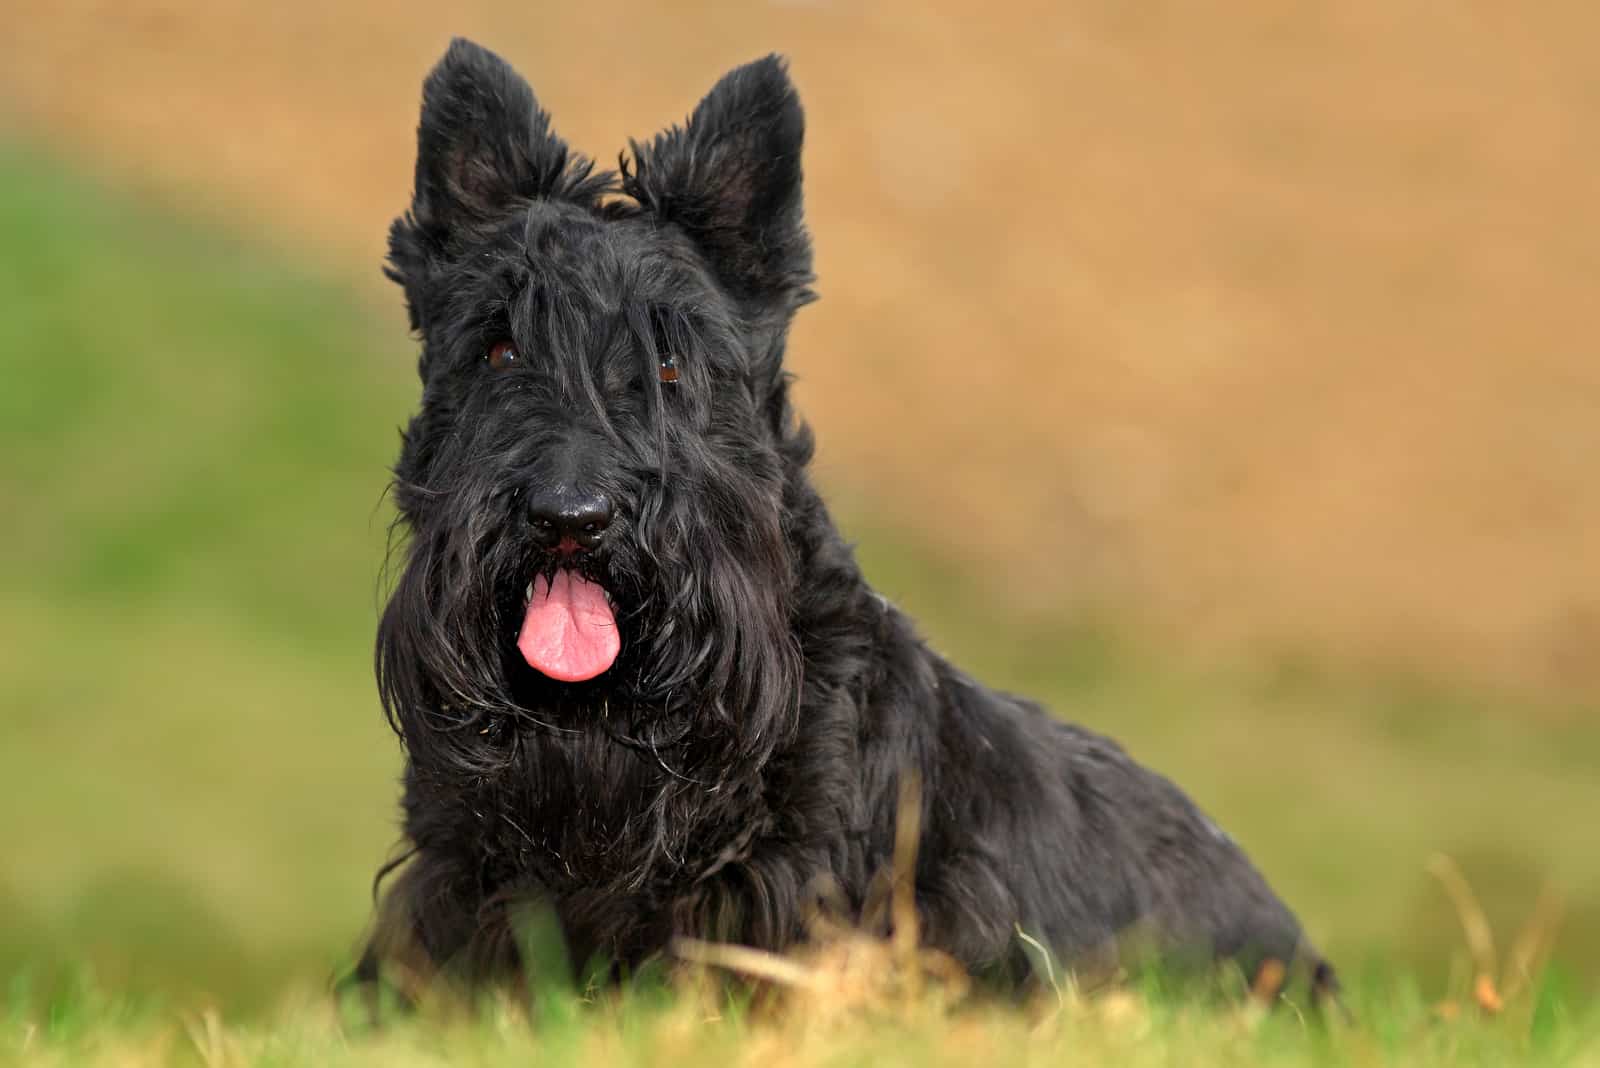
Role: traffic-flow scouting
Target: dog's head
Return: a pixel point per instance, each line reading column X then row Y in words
column 593, row 488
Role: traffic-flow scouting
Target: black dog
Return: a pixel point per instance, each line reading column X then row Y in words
column 636, row 670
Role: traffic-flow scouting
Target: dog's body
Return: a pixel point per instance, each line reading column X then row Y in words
column 636, row 669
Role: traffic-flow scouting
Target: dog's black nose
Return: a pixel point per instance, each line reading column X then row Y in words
column 567, row 520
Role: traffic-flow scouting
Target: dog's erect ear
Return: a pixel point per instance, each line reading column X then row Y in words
column 731, row 180
column 483, row 143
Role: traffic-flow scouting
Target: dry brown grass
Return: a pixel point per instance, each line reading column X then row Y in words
column 1258, row 321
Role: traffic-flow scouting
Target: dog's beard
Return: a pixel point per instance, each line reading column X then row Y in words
column 689, row 617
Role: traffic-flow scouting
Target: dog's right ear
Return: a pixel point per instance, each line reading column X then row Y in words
column 482, row 145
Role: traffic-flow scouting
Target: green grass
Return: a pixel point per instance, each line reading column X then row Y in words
column 196, row 784
column 1389, row 1023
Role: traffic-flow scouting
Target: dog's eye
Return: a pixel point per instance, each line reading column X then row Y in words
column 502, row 355
column 669, row 369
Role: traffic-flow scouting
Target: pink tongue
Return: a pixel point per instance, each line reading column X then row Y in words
column 569, row 632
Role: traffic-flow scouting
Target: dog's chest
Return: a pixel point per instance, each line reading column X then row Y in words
column 584, row 812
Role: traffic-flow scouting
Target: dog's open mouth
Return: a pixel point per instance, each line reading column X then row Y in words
column 569, row 632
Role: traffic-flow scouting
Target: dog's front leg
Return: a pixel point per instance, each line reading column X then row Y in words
column 436, row 921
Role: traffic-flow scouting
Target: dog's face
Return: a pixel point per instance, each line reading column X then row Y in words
column 593, row 487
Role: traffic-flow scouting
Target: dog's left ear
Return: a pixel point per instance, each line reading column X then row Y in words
column 730, row 179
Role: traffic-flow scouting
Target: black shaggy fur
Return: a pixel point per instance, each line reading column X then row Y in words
column 745, row 751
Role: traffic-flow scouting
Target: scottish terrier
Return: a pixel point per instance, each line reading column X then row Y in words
column 636, row 670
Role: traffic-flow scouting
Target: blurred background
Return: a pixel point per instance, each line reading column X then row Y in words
column 1270, row 325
